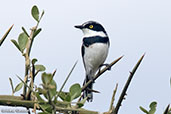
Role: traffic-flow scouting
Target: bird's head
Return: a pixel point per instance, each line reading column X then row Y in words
column 92, row 28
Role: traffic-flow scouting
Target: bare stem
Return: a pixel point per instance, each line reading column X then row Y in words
column 113, row 98
column 126, row 85
column 66, row 80
column 5, row 35
column 27, row 57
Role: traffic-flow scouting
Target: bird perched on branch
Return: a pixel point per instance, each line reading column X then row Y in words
column 94, row 52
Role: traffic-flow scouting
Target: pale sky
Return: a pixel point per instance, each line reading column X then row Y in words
column 134, row 27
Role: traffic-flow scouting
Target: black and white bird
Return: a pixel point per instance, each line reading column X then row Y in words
column 94, row 51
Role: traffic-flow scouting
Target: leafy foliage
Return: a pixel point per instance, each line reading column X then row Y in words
column 74, row 92
column 35, row 13
column 152, row 110
column 152, row 107
column 46, row 95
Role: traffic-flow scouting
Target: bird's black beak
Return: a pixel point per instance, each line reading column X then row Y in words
column 79, row 26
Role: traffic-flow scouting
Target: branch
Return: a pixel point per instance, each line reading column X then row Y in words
column 167, row 110
column 5, row 35
column 17, row 101
column 126, row 85
column 113, row 98
column 101, row 72
column 27, row 57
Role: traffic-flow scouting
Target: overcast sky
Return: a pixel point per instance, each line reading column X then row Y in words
column 134, row 27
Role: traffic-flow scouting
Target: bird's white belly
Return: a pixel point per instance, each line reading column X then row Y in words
column 95, row 55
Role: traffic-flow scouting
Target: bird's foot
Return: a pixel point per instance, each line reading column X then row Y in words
column 107, row 65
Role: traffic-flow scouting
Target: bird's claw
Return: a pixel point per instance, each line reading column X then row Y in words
column 107, row 65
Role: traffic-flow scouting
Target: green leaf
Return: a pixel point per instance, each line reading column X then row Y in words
column 46, row 78
column 152, row 106
column 22, row 81
column 40, row 68
column 37, row 32
column 39, row 98
column 68, row 98
column 35, row 13
column 144, row 110
column 66, row 79
column 18, row 87
column 75, row 91
column 82, row 102
column 52, row 88
column 46, row 108
column 16, row 44
column 34, row 61
column 22, row 41
column 42, row 91
column 44, row 113
column 11, row 83
column 63, row 95
column 24, row 30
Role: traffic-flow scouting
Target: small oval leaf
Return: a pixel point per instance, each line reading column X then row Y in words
column 40, row 68
column 18, row 87
column 46, row 78
column 35, row 13
column 52, row 88
column 63, row 95
column 22, row 41
column 75, row 91
column 16, row 44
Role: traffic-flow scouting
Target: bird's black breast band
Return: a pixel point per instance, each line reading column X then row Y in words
column 87, row 41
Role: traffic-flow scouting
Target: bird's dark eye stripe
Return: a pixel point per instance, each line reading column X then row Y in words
column 96, row 27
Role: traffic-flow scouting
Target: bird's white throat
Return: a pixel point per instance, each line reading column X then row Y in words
column 91, row 33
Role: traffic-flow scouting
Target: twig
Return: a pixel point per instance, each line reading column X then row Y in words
column 66, row 80
column 126, row 85
column 32, row 73
column 113, row 98
column 101, row 72
column 5, row 35
column 166, row 110
column 12, row 87
column 27, row 60
column 27, row 57
column 51, row 103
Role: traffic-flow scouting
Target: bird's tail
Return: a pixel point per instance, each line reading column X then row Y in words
column 88, row 91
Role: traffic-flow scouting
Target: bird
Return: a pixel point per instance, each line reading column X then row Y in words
column 94, row 51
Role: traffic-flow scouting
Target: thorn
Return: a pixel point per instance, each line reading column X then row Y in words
column 95, row 91
column 130, row 72
column 54, row 72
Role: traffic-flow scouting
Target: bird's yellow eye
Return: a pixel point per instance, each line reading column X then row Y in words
column 91, row 26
